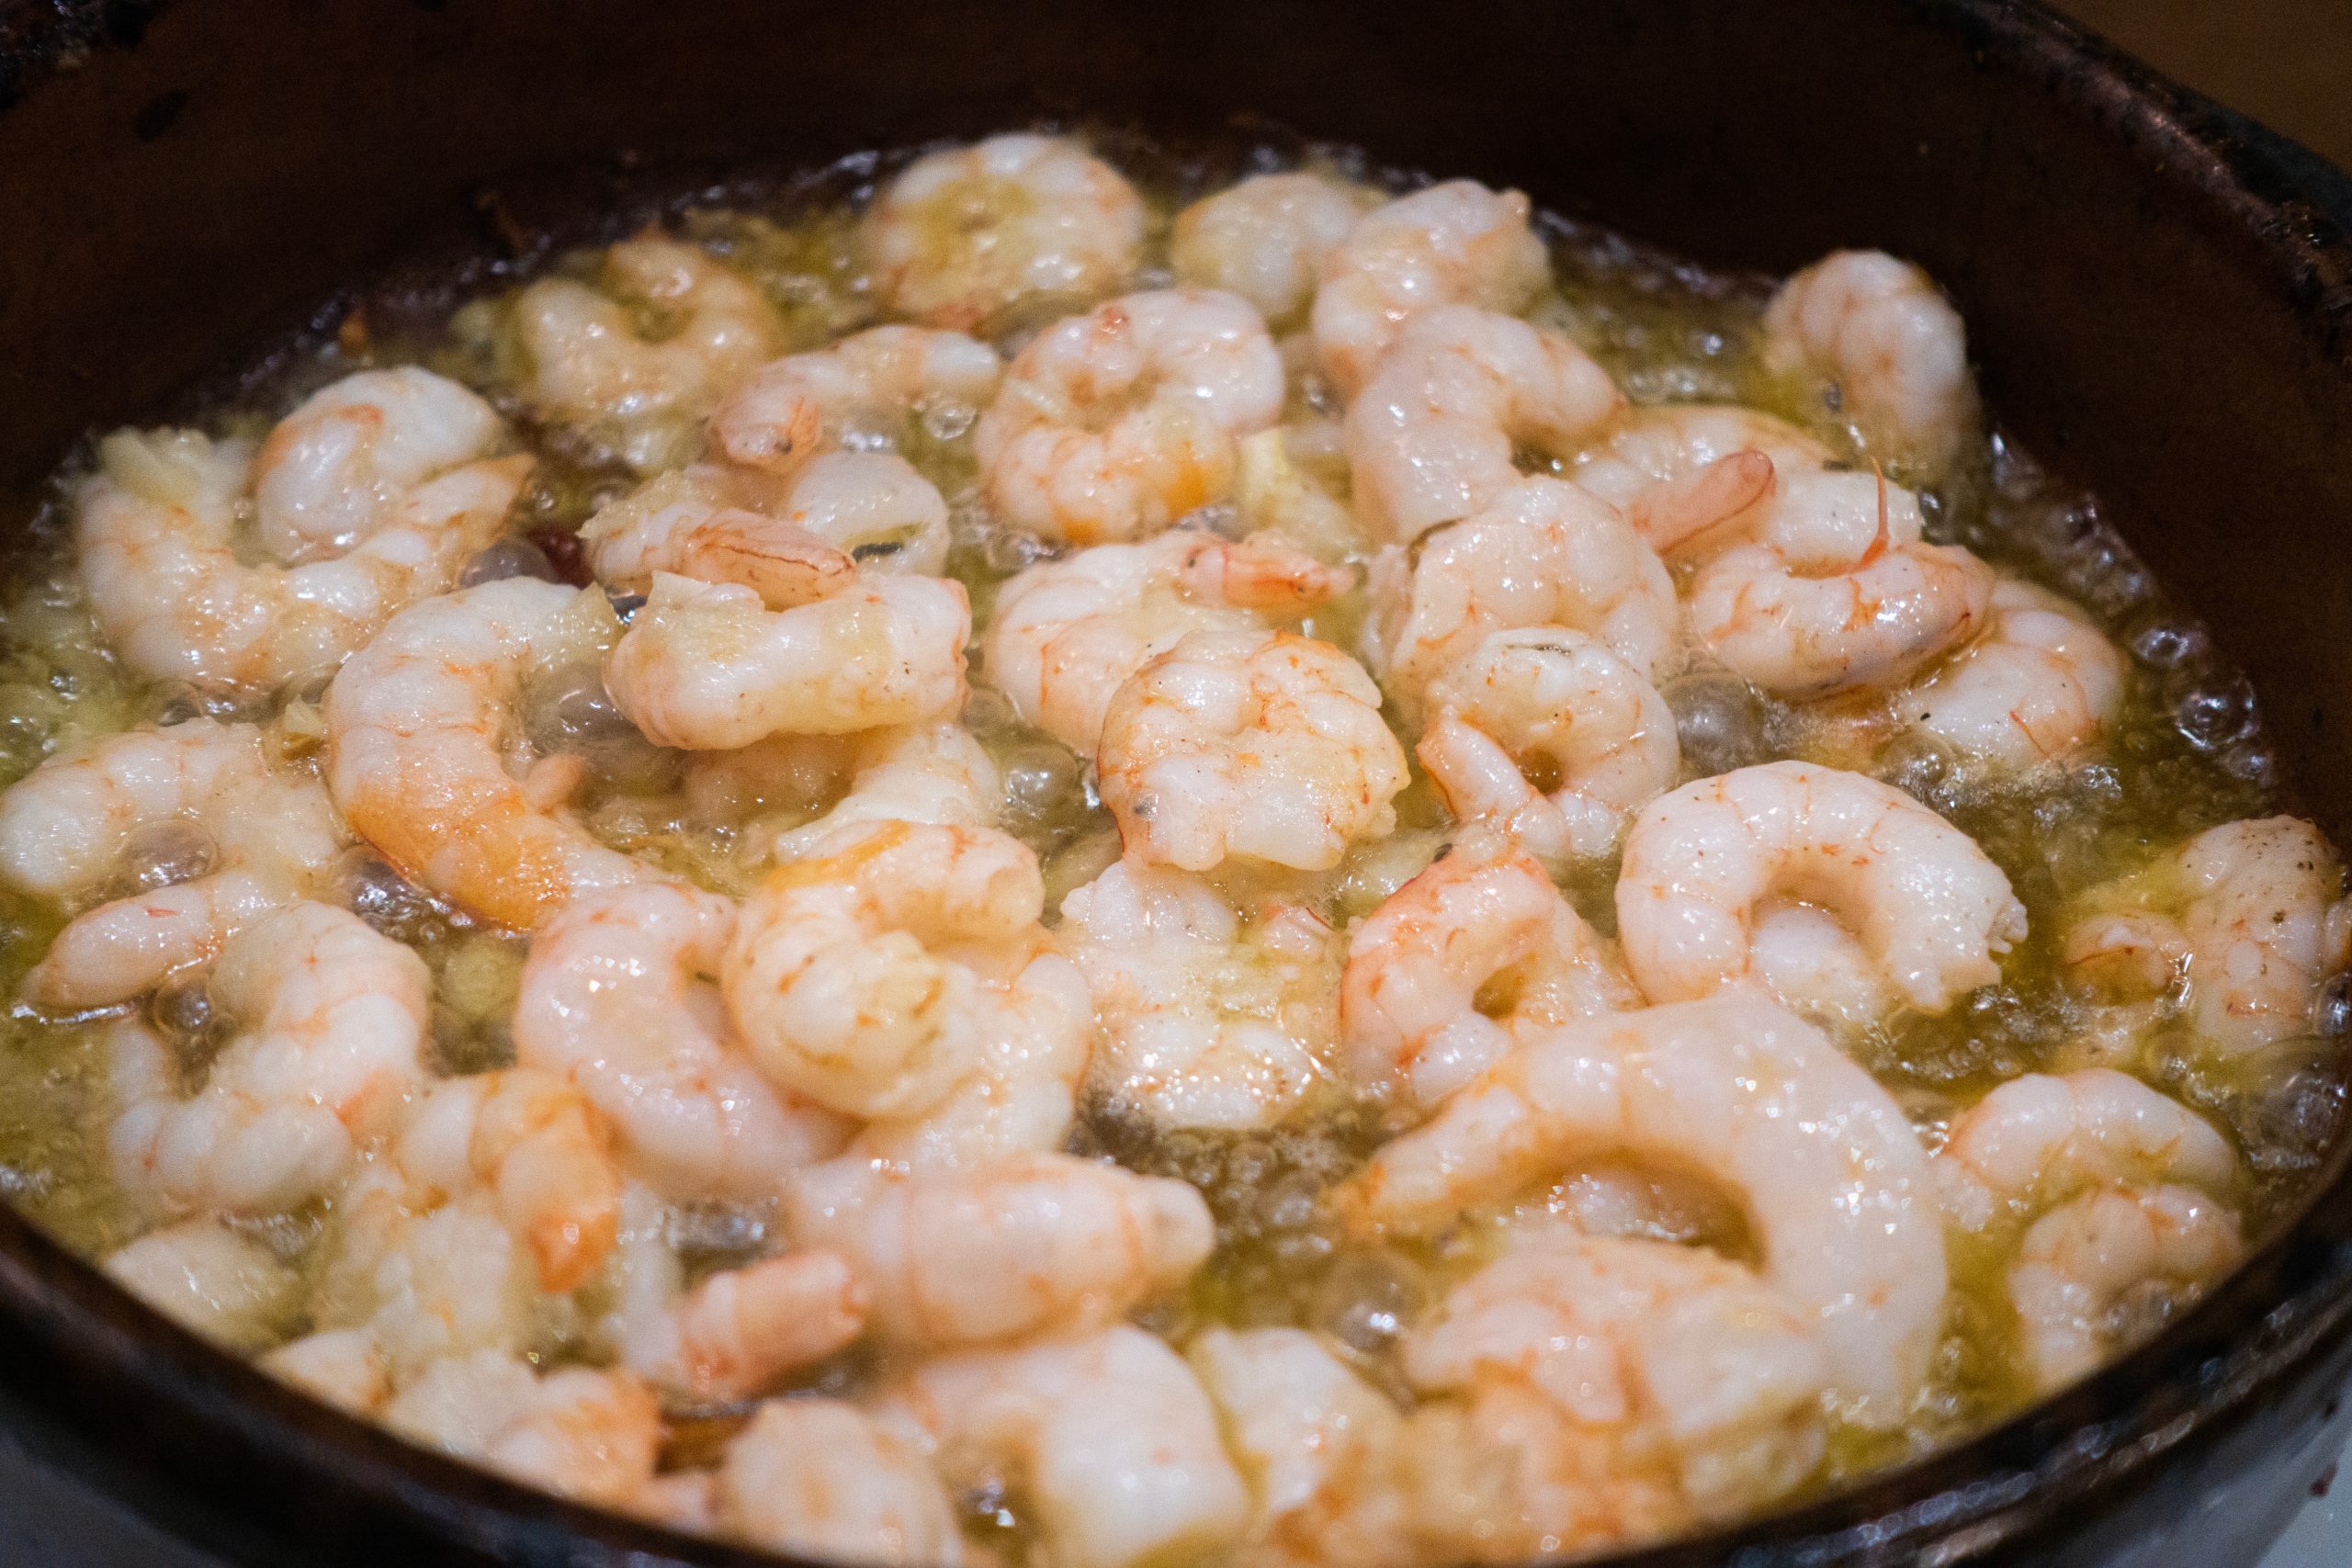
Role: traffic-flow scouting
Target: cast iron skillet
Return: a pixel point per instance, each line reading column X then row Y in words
column 2157, row 298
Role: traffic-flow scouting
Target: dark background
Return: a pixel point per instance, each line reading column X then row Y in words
column 2286, row 62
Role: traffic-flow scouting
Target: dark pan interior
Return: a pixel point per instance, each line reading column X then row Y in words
column 2156, row 307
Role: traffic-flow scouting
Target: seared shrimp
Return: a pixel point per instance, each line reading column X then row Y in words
column 590, row 366
column 1114, row 425
column 1108, row 1435
column 335, row 470
column 823, row 1480
column 1886, row 349
column 619, row 994
column 962, row 234
column 332, row 1045
column 1266, row 238
column 1456, row 243
column 1838, row 1191
column 1431, row 437
column 584, row 1434
column 867, row 385
column 710, row 667
column 1262, row 746
column 1458, row 966
column 1067, row 634
column 699, row 522
column 1549, row 704
column 1707, row 864
column 1003, row 1248
column 416, row 730
column 196, row 803
column 2039, row 688
column 933, row 774
column 2088, row 1273
column 156, row 530
column 1207, row 1015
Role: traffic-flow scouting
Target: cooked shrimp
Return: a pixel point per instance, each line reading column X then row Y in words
column 196, row 801
column 1114, row 425
column 619, row 994
column 1840, row 1195
column 1456, row 243
column 335, row 470
column 868, row 384
column 1543, row 703
column 1433, row 435
column 416, row 730
column 1681, row 471
column 591, row 366
column 822, row 1480
column 2086, row 1265
column 1207, row 1015
column 1835, row 590
column 1004, row 1248
column 156, row 530
column 964, row 234
column 934, row 773
column 2040, row 687
column 592, row 1435
column 2037, row 1140
column 1887, row 351
column 1462, row 964
column 696, row 521
column 1252, row 745
column 1108, row 1436
column 1545, row 553
column 1067, row 634
column 336, row 1021
column 1265, row 238
column 1703, row 864
column 710, row 667
column 211, row 1281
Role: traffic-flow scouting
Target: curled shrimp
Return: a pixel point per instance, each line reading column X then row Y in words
column 2083, row 1267
column 1252, row 745
column 1107, row 1434
column 1839, row 1191
column 1710, row 865
column 1543, row 703
column 869, row 383
column 1208, row 1015
column 1114, row 425
column 1877, row 331
column 933, row 774
column 334, row 1029
column 1544, row 554
column 964, row 233
column 823, row 1480
column 589, row 1435
column 1459, row 965
column 2040, row 687
column 1678, row 471
column 1003, row 1248
column 694, row 521
column 335, row 470
column 591, row 366
column 710, row 667
column 196, row 801
column 1265, row 238
column 415, row 726
column 619, row 994
column 1431, row 437
column 157, row 534
column 1066, row 635
column 1456, row 243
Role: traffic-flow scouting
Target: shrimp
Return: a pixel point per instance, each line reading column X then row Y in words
column 1835, row 590
column 620, row 995
column 1559, row 706
column 1456, row 243
column 589, row 364
column 416, row 727
column 1265, row 238
column 822, row 1480
column 1680, row 1384
column 2088, row 1273
column 1431, row 437
column 332, row 471
column 934, row 773
column 336, row 1021
column 1252, row 745
column 1108, row 1435
column 1112, row 426
column 1837, row 1190
column 1004, row 1248
column 589, row 1435
column 196, row 801
column 1066, row 635
column 1544, row 554
column 869, row 383
column 963, row 235
column 211, row 1281
column 2040, row 687
column 1885, row 349
column 696, row 521
column 1705, row 865
column 1207, row 1015
column 156, row 529
column 710, row 667
column 1459, row 966
column 1680, row 470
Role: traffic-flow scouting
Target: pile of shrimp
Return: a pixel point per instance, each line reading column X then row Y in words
column 1046, row 872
